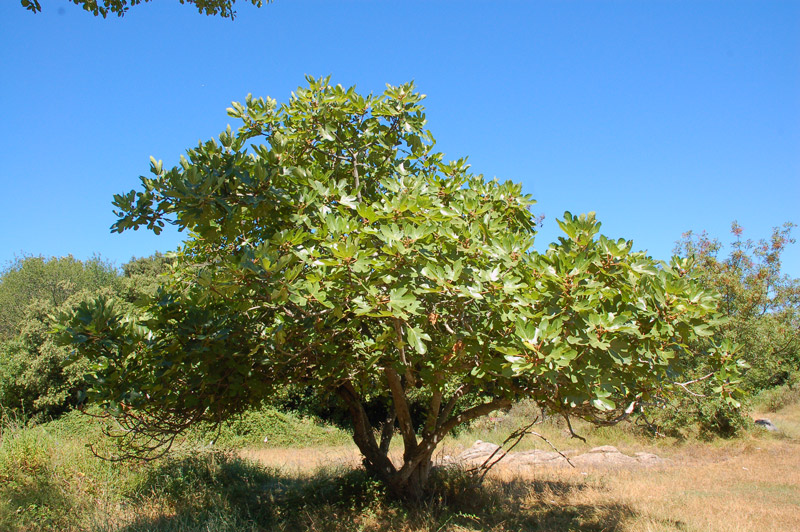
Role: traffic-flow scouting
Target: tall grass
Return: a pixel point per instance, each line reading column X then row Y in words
column 47, row 482
column 773, row 399
column 50, row 480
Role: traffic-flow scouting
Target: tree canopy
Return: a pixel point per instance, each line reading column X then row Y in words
column 39, row 380
column 51, row 281
column 760, row 302
column 223, row 8
column 331, row 246
column 36, row 382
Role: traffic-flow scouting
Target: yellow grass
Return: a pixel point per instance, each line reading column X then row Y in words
column 750, row 484
column 747, row 489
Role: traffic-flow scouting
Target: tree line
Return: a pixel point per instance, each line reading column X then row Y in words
column 39, row 379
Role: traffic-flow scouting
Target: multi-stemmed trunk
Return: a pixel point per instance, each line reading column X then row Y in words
column 408, row 480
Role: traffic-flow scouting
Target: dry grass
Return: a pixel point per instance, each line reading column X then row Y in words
column 746, row 484
column 750, row 484
column 292, row 459
column 745, row 489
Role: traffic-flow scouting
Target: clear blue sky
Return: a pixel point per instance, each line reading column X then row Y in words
column 660, row 116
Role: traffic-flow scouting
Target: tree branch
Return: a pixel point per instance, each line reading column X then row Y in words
column 433, row 411
column 363, row 434
column 685, row 385
column 401, row 409
column 448, row 408
column 387, row 431
column 469, row 415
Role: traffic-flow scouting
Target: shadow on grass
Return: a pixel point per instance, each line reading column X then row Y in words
column 225, row 493
column 34, row 503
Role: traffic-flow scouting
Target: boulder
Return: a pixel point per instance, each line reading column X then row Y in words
column 648, row 458
column 605, row 456
column 766, row 424
column 536, row 457
column 481, row 450
column 605, row 449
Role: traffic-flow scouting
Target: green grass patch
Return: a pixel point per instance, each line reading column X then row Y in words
column 269, row 427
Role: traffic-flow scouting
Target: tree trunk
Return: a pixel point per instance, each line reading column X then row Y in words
column 410, row 481
column 376, row 460
column 387, row 431
column 413, row 487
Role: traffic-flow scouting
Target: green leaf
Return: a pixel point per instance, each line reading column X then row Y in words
column 348, row 201
column 417, row 338
column 604, row 404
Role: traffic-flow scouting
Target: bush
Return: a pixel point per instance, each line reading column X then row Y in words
column 38, row 379
column 773, row 399
column 703, row 418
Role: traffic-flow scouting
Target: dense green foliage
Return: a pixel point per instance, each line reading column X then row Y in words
column 761, row 307
column 331, row 246
column 39, row 380
column 223, row 8
column 49, row 282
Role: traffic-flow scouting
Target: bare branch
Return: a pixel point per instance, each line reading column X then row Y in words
column 572, row 432
column 469, row 415
column 685, row 384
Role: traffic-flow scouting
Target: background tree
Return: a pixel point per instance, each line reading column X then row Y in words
column 223, row 8
column 141, row 277
column 761, row 310
column 762, row 303
column 330, row 246
column 38, row 378
column 51, row 282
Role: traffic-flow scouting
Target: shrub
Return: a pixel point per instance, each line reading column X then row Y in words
column 773, row 399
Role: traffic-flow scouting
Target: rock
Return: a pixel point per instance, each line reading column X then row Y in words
column 535, row 457
column 605, row 449
column 481, row 450
column 606, row 456
column 648, row 458
column 766, row 424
